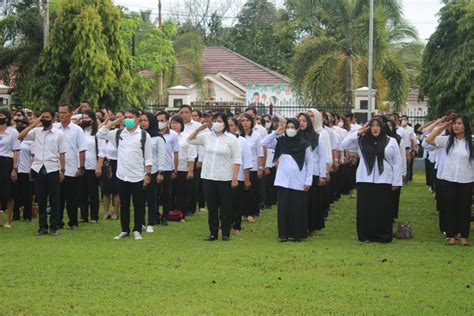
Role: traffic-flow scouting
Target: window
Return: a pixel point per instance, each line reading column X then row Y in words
column 177, row 103
column 364, row 104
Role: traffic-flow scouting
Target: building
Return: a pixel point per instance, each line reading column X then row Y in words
column 231, row 79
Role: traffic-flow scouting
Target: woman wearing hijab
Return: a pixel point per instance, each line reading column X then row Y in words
column 315, row 207
column 149, row 123
column 379, row 172
column 324, row 136
column 392, row 132
column 294, row 178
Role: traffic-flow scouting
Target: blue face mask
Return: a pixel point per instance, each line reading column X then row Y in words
column 129, row 123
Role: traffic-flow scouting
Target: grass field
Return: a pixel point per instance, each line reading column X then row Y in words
column 174, row 272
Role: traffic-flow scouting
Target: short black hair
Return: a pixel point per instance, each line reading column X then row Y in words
column 166, row 114
column 199, row 113
column 85, row 101
column 133, row 111
column 185, row 106
column 251, row 108
column 69, row 106
column 8, row 114
column 50, row 111
column 223, row 116
column 178, row 119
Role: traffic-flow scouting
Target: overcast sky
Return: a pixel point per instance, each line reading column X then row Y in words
column 421, row 13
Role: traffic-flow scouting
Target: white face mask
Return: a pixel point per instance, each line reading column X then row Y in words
column 340, row 124
column 268, row 125
column 218, row 126
column 291, row 132
column 162, row 125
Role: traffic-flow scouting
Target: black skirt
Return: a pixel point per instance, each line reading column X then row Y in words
column 315, row 206
column 6, row 167
column 110, row 185
column 292, row 214
column 374, row 212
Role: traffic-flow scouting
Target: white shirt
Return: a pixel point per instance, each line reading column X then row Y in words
column 9, row 142
column 327, row 141
column 221, row 154
column 355, row 127
column 130, row 162
column 172, row 146
column 158, row 148
column 187, row 152
column 74, row 143
column 319, row 159
column 403, row 155
column 254, row 142
column 246, row 158
column 191, row 127
column 408, row 135
column 288, row 173
column 392, row 173
column 269, row 162
column 48, row 145
column 441, row 157
column 25, row 156
column 458, row 166
column 92, row 151
column 260, row 130
column 111, row 152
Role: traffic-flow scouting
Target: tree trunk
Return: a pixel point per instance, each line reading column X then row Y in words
column 348, row 82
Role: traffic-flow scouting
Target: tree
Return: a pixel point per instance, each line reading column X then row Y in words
column 411, row 55
column 21, row 38
column 332, row 55
column 86, row 57
column 447, row 76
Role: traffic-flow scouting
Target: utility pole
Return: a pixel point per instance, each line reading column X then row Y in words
column 159, row 14
column 43, row 6
column 161, row 72
column 371, row 56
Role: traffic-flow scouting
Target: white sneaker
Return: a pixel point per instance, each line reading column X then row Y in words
column 149, row 229
column 137, row 236
column 143, row 227
column 202, row 209
column 122, row 235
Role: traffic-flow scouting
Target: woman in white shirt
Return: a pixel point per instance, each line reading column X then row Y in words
column 182, row 185
column 220, row 168
column 294, row 178
column 89, row 183
column 238, row 193
column 457, row 176
column 9, row 147
column 379, row 172
column 270, row 168
column 254, row 140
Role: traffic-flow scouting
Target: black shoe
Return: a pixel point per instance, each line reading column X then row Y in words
column 211, row 238
column 54, row 233
column 164, row 221
column 41, row 232
column 283, row 239
column 27, row 220
column 84, row 220
column 225, row 238
column 189, row 214
column 73, row 227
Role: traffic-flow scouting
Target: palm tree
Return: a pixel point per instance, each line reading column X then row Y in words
column 332, row 55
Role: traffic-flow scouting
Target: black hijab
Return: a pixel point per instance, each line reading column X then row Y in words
column 393, row 133
column 293, row 146
column 309, row 134
column 374, row 147
column 152, row 129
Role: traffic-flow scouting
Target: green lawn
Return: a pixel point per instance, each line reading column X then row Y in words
column 174, row 272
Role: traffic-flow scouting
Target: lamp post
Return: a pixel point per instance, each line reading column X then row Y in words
column 371, row 55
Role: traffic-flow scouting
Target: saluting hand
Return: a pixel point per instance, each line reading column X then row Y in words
column 363, row 130
column 280, row 130
column 111, row 124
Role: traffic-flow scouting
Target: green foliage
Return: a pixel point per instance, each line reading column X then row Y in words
column 331, row 58
column 411, row 55
column 174, row 272
column 447, row 76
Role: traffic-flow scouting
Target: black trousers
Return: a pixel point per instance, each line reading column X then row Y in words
column 458, row 201
column 151, row 192
column 6, row 167
column 238, row 205
column 219, row 203
column 374, row 212
column 89, row 189
column 292, row 214
column 315, row 206
column 396, row 201
column 440, row 203
column 270, row 190
column 198, row 196
column 47, row 186
column 23, row 197
column 131, row 191
column 181, row 193
column 410, row 169
column 69, row 193
column 261, row 193
column 251, row 198
column 164, row 194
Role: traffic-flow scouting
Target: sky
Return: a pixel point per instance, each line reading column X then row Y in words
column 421, row 13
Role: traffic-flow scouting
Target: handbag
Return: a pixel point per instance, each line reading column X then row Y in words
column 106, row 170
column 175, row 215
column 404, row 231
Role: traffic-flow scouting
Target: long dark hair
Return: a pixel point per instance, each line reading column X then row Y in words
column 467, row 135
column 252, row 124
column 93, row 118
column 8, row 115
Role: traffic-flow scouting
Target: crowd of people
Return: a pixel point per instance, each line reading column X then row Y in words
column 171, row 165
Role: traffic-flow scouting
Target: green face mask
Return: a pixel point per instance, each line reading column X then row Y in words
column 129, row 123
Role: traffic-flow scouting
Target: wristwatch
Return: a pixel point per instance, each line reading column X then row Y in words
column 62, row 170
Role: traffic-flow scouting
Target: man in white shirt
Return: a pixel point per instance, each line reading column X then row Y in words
column 76, row 147
column 134, row 165
column 83, row 107
column 409, row 138
column 47, row 168
column 168, row 169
